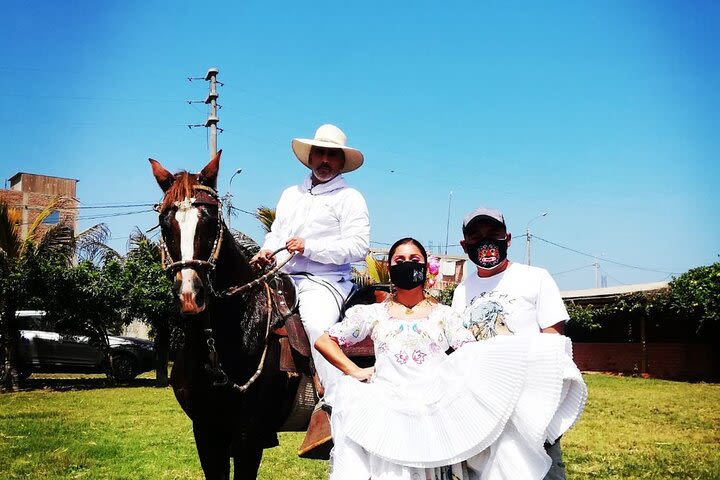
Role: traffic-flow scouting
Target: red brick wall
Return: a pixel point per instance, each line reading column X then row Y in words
column 36, row 202
column 677, row 361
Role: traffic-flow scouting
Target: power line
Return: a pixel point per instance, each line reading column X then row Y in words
column 98, row 217
column 572, row 270
column 83, row 98
column 90, row 207
column 604, row 259
column 111, row 215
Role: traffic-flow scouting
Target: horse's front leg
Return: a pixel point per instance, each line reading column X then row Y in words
column 247, row 463
column 213, row 447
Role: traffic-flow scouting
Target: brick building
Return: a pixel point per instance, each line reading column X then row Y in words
column 31, row 193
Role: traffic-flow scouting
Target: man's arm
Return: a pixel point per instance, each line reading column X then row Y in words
column 550, row 306
column 273, row 239
column 557, row 328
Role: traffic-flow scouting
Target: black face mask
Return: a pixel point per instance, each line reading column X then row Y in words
column 487, row 252
column 407, row 275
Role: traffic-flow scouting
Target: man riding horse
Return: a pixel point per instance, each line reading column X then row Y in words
column 325, row 224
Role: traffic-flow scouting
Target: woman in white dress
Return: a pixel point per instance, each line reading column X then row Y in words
column 483, row 412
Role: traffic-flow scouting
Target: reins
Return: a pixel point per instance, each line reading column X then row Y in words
column 214, row 362
column 228, row 292
column 214, row 366
column 211, row 262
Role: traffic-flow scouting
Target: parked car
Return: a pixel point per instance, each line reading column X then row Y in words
column 43, row 350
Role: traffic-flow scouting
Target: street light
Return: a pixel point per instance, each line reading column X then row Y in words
column 447, row 227
column 527, row 236
column 228, row 196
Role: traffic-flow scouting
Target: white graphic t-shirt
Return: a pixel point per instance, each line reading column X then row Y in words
column 522, row 299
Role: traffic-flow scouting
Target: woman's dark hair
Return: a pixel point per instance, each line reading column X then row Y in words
column 403, row 241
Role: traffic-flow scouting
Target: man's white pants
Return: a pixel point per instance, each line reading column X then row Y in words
column 320, row 302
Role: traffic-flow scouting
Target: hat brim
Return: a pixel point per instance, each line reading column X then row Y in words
column 301, row 148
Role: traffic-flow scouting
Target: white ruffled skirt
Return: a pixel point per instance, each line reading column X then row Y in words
column 491, row 404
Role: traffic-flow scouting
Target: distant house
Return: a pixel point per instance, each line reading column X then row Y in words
column 31, row 193
column 451, row 267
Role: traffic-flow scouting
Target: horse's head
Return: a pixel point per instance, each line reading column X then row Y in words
column 192, row 230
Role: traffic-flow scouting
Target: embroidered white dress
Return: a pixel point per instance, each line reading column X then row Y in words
column 483, row 412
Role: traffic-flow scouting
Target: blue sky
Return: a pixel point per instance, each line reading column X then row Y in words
column 604, row 114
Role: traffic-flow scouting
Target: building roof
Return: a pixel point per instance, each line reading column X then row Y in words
column 39, row 175
column 601, row 295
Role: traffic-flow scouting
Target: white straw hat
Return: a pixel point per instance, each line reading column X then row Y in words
column 328, row 136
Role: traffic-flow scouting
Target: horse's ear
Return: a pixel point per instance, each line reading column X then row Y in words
column 164, row 178
column 208, row 175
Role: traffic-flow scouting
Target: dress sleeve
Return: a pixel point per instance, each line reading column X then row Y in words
column 455, row 331
column 355, row 327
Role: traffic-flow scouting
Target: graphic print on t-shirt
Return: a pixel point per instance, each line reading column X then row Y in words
column 487, row 315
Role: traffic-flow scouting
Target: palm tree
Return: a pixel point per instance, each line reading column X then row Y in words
column 376, row 272
column 266, row 215
column 91, row 244
column 19, row 260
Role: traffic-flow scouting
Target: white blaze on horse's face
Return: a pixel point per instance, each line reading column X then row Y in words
column 187, row 217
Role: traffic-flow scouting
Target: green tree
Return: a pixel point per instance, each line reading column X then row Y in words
column 21, row 278
column 149, row 297
column 696, row 294
column 87, row 299
column 445, row 295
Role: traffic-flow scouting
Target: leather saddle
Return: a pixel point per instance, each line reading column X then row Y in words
column 296, row 350
column 296, row 360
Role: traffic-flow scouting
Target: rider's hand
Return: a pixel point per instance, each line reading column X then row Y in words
column 363, row 374
column 296, row 244
column 262, row 259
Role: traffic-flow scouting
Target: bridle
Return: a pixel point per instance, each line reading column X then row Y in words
column 220, row 378
column 169, row 265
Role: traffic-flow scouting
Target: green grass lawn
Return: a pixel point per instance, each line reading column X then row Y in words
column 632, row 428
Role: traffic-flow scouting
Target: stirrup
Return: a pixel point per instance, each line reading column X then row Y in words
column 318, row 438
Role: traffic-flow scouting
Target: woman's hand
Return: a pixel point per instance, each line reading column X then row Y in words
column 363, row 374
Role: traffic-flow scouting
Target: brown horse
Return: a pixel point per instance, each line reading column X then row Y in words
column 226, row 377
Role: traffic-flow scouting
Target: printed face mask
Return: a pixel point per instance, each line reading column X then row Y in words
column 487, row 252
column 407, row 275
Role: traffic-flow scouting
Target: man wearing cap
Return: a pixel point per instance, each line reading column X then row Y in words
column 522, row 298
column 325, row 223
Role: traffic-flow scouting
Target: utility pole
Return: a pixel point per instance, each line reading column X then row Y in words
column 211, row 99
column 212, row 119
column 228, row 198
column 447, row 227
column 597, row 272
column 527, row 237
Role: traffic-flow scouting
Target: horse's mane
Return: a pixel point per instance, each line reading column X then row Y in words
column 181, row 189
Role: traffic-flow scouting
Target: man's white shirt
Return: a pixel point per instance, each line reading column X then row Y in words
column 525, row 297
column 333, row 220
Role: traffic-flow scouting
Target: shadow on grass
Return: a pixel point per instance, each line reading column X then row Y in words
column 67, row 383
